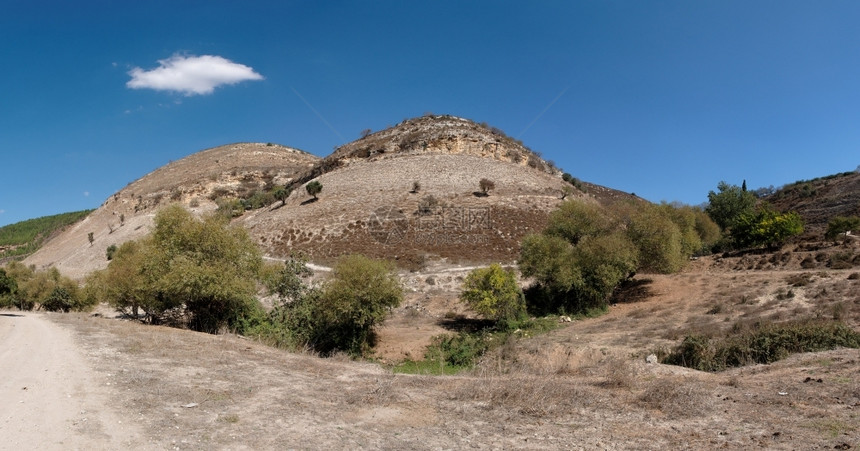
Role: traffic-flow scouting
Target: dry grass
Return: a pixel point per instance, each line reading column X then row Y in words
column 585, row 383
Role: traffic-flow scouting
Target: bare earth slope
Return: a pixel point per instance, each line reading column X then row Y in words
column 194, row 181
column 367, row 207
column 820, row 200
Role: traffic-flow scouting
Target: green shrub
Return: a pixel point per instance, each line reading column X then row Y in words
column 494, row 293
column 313, row 188
column 460, row 351
column 765, row 227
column 339, row 316
column 110, row 251
column 763, row 344
column 203, row 266
column 577, row 261
column 658, row 240
column 840, row 225
column 8, row 290
column 59, row 300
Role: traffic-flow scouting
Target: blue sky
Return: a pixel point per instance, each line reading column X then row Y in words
column 660, row 98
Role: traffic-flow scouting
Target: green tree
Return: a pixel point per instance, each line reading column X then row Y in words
column 90, row 238
column 314, row 188
column 339, row 316
column 358, row 296
column 658, row 239
column 8, row 289
column 578, row 260
column 123, row 285
column 494, row 293
column 841, row 224
column 202, row 265
column 729, row 204
column 766, row 227
column 576, row 219
column 281, row 193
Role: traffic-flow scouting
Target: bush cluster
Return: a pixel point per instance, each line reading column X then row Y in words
column 200, row 265
column 587, row 250
column 745, row 222
column 339, row 315
column 765, row 343
column 25, row 288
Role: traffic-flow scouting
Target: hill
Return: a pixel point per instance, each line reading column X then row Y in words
column 197, row 182
column 821, row 199
column 368, row 204
column 25, row 237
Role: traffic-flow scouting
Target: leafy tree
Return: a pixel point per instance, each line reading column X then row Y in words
column 574, row 220
column 766, row 227
column 416, row 186
column 358, row 296
column 281, row 193
column 314, row 188
column 90, row 238
column 339, row 316
column 729, row 204
column 123, row 284
column 658, row 240
column 201, row 265
column 578, row 260
column 841, row 224
column 486, row 185
column 494, row 293
column 8, row 289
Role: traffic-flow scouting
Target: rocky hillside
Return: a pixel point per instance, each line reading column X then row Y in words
column 196, row 181
column 369, row 202
column 821, row 199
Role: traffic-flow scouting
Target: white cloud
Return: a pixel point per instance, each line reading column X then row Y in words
column 2, row 211
column 191, row 75
column 86, row 194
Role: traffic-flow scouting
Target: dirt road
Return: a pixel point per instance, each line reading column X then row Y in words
column 49, row 397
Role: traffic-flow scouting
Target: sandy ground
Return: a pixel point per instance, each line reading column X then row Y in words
column 51, row 398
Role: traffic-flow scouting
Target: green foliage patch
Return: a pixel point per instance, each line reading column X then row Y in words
column 26, row 237
column 764, row 343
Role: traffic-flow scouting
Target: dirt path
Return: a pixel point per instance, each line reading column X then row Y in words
column 49, row 397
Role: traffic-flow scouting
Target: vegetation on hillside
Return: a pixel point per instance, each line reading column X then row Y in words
column 203, row 266
column 25, row 237
column 25, row 288
column 747, row 222
column 587, row 250
column 338, row 316
column 764, row 343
